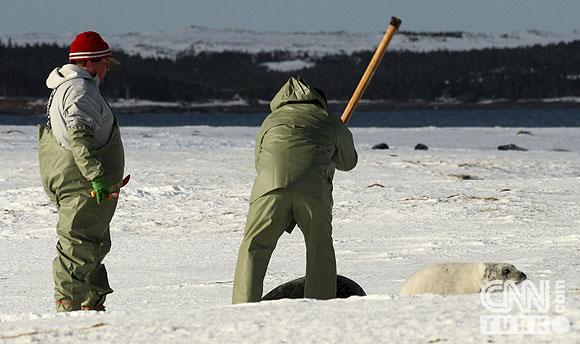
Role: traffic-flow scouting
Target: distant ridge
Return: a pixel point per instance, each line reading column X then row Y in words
column 195, row 39
column 243, row 68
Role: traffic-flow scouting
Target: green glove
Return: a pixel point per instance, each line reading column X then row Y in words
column 101, row 188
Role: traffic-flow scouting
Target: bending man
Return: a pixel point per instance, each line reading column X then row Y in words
column 298, row 147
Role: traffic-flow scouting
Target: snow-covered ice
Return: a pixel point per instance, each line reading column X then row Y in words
column 180, row 221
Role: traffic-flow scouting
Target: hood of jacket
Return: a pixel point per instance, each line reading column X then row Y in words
column 58, row 76
column 297, row 90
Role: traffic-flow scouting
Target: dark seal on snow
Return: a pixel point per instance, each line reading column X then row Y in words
column 511, row 146
column 381, row 145
column 345, row 287
column 421, row 146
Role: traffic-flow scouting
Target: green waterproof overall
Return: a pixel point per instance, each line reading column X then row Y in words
column 298, row 148
column 269, row 216
column 83, row 225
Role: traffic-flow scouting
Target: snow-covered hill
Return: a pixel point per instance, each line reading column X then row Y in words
column 198, row 39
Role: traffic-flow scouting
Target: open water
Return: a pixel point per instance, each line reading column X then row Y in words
column 512, row 117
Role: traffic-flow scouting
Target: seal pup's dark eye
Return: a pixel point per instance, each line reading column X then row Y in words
column 505, row 272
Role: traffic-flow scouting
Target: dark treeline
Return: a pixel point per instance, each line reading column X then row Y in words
column 519, row 73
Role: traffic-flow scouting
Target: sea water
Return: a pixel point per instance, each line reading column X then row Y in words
column 506, row 117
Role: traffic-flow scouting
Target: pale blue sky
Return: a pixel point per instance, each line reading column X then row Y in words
column 121, row 16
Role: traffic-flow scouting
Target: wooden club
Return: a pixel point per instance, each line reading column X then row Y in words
column 371, row 69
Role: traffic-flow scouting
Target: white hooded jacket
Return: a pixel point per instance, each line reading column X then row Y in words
column 77, row 103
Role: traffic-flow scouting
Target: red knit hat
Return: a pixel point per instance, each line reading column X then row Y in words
column 88, row 45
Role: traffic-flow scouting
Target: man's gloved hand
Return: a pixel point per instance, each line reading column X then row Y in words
column 101, row 188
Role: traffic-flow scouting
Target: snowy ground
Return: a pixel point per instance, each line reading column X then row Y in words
column 180, row 221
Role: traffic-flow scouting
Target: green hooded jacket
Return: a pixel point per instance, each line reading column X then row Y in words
column 300, row 144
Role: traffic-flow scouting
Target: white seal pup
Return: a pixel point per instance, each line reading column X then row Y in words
column 459, row 278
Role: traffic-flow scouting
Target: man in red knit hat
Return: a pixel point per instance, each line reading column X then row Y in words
column 81, row 155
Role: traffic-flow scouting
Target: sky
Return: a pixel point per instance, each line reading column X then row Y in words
column 123, row 16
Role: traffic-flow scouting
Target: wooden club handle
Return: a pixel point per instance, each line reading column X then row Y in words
column 371, row 69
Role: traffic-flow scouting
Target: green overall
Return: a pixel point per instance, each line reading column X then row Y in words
column 83, row 225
